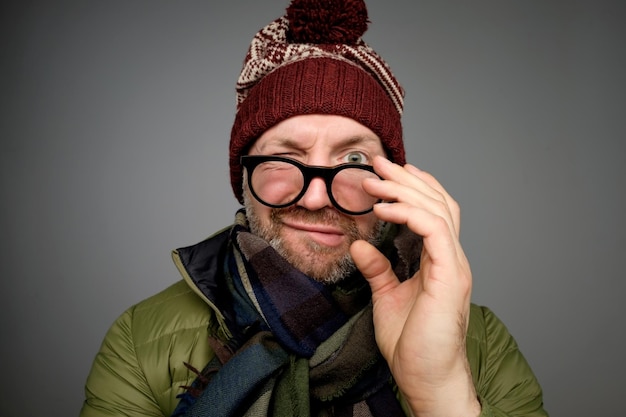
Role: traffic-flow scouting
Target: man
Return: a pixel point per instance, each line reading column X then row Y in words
column 342, row 288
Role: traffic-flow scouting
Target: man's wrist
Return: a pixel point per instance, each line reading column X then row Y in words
column 456, row 398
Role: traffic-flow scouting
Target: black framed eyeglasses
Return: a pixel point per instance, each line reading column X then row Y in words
column 278, row 182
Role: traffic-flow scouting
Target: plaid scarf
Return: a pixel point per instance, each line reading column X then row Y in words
column 297, row 347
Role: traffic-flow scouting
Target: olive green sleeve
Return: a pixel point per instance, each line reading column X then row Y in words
column 116, row 385
column 505, row 383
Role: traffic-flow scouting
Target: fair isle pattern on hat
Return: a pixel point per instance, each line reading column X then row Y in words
column 271, row 49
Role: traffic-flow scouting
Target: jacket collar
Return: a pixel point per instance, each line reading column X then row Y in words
column 202, row 267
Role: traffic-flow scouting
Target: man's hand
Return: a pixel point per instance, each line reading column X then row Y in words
column 421, row 323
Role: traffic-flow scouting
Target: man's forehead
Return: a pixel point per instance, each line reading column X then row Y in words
column 309, row 130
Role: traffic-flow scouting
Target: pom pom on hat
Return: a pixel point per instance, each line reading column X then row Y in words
column 313, row 60
column 326, row 21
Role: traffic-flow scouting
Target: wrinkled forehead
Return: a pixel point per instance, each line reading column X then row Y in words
column 316, row 132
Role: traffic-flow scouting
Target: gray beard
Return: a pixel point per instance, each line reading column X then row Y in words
column 332, row 272
column 342, row 267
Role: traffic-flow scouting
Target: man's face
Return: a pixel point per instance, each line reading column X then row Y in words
column 312, row 234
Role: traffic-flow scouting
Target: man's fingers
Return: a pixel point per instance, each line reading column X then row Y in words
column 439, row 239
column 453, row 205
column 418, row 188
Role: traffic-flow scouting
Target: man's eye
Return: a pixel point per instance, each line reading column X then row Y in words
column 355, row 158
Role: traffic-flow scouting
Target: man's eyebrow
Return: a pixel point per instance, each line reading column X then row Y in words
column 359, row 140
column 282, row 142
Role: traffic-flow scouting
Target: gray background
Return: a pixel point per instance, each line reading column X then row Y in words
column 115, row 118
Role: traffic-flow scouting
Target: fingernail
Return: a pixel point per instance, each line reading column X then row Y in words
column 414, row 167
column 383, row 160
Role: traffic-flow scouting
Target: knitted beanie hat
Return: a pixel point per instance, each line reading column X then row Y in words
column 313, row 61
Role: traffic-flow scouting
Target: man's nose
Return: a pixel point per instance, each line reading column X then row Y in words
column 316, row 196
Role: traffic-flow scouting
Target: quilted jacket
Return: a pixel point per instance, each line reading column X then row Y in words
column 139, row 369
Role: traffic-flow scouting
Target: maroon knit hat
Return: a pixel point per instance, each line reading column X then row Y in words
column 313, row 61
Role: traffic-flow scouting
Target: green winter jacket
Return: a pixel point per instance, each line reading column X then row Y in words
column 139, row 369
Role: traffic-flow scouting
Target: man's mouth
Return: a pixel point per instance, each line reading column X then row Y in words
column 322, row 234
